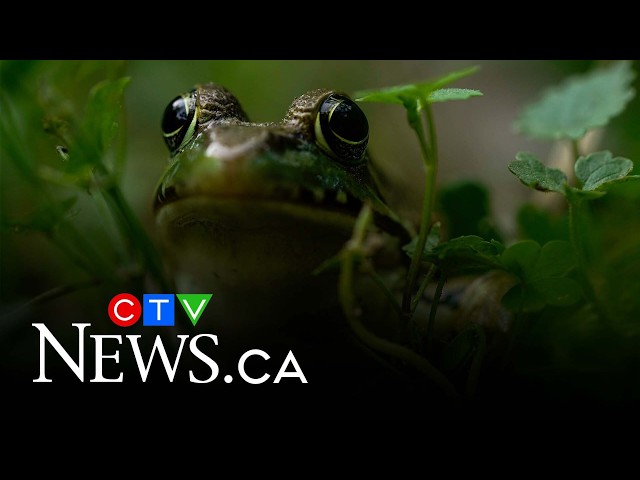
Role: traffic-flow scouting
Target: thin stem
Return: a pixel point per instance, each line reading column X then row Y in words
column 430, row 159
column 425, row 282
column 390, row 296
column 575, row 149
column 574, row 233
column 353, row 250
column 576, row 241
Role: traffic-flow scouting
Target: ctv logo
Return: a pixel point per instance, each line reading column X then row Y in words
column 157, row 309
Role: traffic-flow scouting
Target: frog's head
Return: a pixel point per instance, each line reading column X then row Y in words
column 258, row 206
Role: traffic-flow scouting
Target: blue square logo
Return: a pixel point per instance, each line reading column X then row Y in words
column 158, row 310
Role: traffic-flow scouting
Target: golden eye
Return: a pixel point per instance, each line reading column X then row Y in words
column 342, row 129
column 179, row 121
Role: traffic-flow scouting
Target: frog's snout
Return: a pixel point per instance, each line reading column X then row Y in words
column 228, row 144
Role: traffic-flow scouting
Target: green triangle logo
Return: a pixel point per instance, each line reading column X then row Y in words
column 194, row 304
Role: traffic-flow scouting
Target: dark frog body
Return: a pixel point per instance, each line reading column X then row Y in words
column 248, row 211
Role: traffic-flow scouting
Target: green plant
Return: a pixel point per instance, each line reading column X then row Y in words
column 81, row 169
column 552, row 279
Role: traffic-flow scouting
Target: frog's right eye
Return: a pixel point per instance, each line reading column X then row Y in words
column 179, row 121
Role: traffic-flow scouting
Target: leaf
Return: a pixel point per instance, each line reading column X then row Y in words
column 103, row 109
column 99, row 124
column 420, row 92
column 520, row 258
column 534, row 174
column 543, row 275
column 446, row 94
column 557, row 258
column 433, row 239
column 465, row 254
column 600, row 168
column 579, row 104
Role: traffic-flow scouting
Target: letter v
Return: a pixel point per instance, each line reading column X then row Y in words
column 188, row 299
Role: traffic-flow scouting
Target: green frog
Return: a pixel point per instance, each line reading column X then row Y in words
column 248, row 210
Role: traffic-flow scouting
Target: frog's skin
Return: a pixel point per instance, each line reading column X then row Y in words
column 247, row 211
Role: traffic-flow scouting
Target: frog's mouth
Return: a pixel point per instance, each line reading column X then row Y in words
column 256, row 166
column 338, row 201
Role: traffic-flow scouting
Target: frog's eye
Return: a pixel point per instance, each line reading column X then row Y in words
column 342, row 129
column 179, row 121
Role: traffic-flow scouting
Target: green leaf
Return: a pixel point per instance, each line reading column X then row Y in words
column 446, row 94
column 449, row 78
column 104, row 108
column 464, row 254
column 99, row 124
column 520, row 258
column 557, row 258
column 433, row 239
column 579, row 104
column 543, row 275
column 420, row 92
column 534, row 174
column 600, row 168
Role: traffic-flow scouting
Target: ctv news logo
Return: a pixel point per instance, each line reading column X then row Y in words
column 157, row 310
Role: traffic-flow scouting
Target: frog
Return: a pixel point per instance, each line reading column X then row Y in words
column 249, row 211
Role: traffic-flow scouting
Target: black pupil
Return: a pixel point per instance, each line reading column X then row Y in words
column 349, row 121
column 175, row 116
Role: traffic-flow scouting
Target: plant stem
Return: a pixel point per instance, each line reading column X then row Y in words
column 422, row 288
column 392, row 299
column 576, row 241
column 430, row 160
column 574, row 233
column 352, row 250
column 575, row 149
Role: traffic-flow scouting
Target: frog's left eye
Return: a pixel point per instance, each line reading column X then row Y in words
column 179, row 121
column 342, row 129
